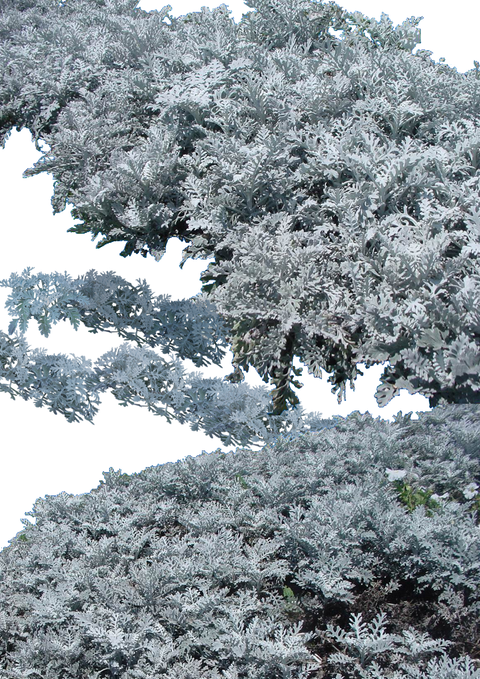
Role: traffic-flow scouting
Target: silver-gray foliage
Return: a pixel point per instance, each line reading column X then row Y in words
column 234, row 412
column 334, row 181
column 297, row 561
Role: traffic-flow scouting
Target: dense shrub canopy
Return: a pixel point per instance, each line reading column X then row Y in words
column 334, row 181
column 279, row 563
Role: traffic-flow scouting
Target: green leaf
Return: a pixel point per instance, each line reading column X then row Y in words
column 241, row 481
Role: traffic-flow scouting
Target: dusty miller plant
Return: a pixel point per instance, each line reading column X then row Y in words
column 293, row 561
column 335, row 182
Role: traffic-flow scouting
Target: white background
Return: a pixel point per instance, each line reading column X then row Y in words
column 41, row 453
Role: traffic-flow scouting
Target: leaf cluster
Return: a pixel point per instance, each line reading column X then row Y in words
column 136, row 375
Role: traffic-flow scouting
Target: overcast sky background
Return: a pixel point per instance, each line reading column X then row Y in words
column 43, row 454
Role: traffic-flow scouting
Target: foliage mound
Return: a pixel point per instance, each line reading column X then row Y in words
column 350, row 551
